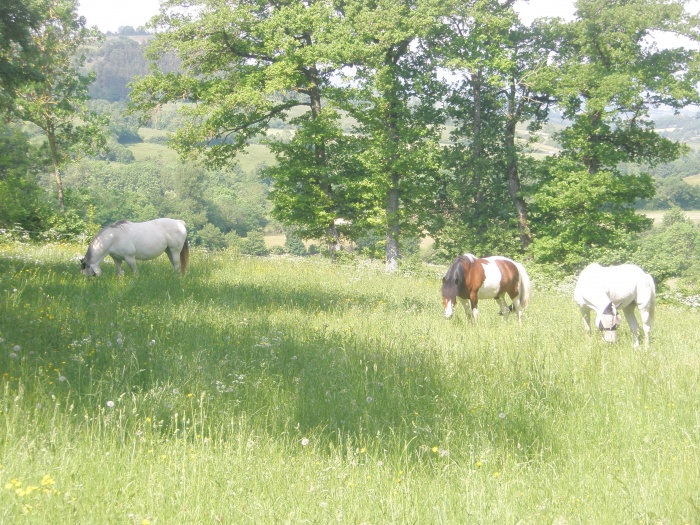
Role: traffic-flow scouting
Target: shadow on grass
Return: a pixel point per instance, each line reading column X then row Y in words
column 171, row 339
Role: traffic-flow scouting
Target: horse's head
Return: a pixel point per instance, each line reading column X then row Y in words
column 608, row 321
column 450, row 287
column 449, row 297
column 87, row 269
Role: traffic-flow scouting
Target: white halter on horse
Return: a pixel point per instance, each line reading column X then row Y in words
column 129, row 241
column 605, row 290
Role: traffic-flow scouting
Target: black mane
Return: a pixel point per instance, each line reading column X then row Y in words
column 453, row 281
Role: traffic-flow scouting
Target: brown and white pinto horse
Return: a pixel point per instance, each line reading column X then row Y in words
column 472, row 279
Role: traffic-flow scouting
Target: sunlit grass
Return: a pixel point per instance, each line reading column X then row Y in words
column 693, row 180
column 291, row 390
column 657, row 215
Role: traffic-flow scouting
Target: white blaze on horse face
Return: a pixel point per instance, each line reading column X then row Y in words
column 449, row 308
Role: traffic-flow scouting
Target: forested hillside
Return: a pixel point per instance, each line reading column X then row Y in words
column 453, row 129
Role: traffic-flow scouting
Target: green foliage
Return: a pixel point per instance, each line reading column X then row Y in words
column 56, row 102
column 115, row 64
column 238, row 88
column 503, row 77
column 19, row 53
column 254, row 244
column 579, row 216
column 371, row 244
column 310, row 194
column 608, row 80
column 23, row 203
column 227, row 201
column 233, row 241
column 670, row 249
column 673, row 191
column 210, row 237
column 685, row 166
column 293, row 245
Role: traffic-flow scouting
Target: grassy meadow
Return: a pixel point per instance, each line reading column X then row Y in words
column 284, row 390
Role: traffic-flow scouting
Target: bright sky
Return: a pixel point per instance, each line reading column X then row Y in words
column 110, row 15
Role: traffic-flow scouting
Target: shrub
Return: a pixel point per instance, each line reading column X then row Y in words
column 254, row 244
column 211, row 237
column 233, row 240
column 669, row 250
column 294, row 245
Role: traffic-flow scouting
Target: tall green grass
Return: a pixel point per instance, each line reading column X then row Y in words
column 301, row 391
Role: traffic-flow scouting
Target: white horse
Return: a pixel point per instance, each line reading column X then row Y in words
column 129, row 241
column 605, row 290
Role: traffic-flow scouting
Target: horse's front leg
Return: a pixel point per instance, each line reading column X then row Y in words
column 586, row 315
column 474, row 300
column 118, row 264
column 467, row 307
column 634, row 325
column 131, row 261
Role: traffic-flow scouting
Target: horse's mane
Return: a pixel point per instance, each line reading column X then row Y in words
column 454, row 276
column 117, row 224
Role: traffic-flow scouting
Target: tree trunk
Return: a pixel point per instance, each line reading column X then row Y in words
column 477, row 145
column 393, row 227
column 56, row 171
column 514, row 184
column 333, row 239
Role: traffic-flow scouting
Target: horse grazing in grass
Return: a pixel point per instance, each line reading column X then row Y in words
column 471, row 279
column 607, row 289
column 129, row 241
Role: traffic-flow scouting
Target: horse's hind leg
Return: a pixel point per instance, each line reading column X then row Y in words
column 632, row 321
column 647, row 319
column 518, row 308
column 174, row 258
column 502, row 306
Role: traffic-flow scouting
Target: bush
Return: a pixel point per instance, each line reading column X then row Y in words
column 211, row 237
column 294, row 245
column 233, row 240
column 371, row 244
column 671, row 249
column 254, row 244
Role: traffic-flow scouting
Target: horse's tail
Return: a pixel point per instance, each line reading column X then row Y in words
column 651, row 289
column 185, row 256
column 525, row 286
